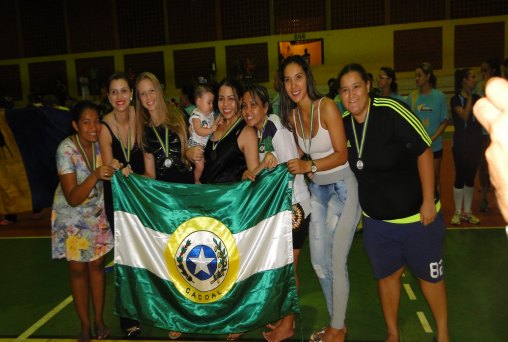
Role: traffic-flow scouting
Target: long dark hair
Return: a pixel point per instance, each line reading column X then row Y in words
column 459, row 76
column 391, row 73
column 427, row 70
column 286, row 104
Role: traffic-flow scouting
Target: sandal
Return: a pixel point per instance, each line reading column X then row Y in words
column 102, row 332
column 174, row 335
column 317, row 336
column 133, row 332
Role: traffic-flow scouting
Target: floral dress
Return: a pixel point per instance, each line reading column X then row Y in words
column 79, row 233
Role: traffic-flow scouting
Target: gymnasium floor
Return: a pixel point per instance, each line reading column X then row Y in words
column 35, row 302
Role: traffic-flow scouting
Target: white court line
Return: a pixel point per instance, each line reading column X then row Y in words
column 423, row 320
column 43, row 320
column 27, row 333
column 409, row 292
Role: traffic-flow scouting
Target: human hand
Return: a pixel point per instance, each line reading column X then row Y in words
column 298, row 166
column 115, row 164
column 492, row 112
column 195, row 154
column 126, row 171
column 248, row 175
column 270, row 161
column 104, row 172
column 427, row 212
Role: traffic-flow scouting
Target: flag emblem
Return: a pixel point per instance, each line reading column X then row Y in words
column 202, row 259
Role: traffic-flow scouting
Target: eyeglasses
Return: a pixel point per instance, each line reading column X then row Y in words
column 382, row 77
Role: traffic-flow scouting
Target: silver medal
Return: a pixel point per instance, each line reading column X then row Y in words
column 168, row 163
column 359, row 164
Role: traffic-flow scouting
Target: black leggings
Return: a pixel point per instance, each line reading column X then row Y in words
column 466, row 162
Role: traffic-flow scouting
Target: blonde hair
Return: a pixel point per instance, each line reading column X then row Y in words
column 171, row 117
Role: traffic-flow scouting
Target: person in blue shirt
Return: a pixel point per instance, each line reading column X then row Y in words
column 429, row 105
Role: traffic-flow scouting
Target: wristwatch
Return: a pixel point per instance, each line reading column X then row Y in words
column 313, row 167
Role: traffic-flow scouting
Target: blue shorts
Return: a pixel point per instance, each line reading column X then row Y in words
column 391, row 246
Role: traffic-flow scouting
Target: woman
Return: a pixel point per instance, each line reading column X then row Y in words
column 276, row 145
column 387, row 83
column 118, row 141
column 231, row 153
column 318, row 128
column 163, row 131
column 79, row 227
column 429, row 105
column 467, row 145
column 232, row 148
column 392, row 161
column 488, row 69
column 164, row 137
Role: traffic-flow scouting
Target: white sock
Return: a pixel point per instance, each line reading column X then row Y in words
column 458, row 196
column 468, row 198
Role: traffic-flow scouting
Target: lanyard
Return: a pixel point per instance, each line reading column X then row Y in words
column 310, row 131
column 126, row 151
column 260, row 134
column 85, row 157
column 165, row 147
column 216, row 143
column 359, row 147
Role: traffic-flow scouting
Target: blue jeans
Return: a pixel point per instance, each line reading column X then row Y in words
column 335, row 214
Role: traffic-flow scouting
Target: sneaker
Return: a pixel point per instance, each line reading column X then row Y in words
column 469, row 217
column 456, row 219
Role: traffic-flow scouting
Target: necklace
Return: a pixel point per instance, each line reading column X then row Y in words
column 216, row 143
column 126, row 151
column 359, row 147
column 90, row 167
column 306, row 155
column 165, row 146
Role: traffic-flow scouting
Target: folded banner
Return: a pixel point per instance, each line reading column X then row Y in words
column 206, row 259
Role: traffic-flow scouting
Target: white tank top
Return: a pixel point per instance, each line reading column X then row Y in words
column 320, row 145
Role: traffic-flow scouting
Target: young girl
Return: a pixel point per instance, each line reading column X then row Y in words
column 80, row 230
column 429, row 105
column 202, row 124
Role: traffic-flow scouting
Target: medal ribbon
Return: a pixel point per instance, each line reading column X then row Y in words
column 311, row 125
column 165, row 147
column 216, row 143
column 85, row 157
column 260, row 134
column 359, row 147
column 126, row 151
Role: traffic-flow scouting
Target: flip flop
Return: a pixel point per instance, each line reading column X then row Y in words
column 317, row 336
column 174, row 335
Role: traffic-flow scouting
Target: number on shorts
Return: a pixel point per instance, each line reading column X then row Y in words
column 436, row 269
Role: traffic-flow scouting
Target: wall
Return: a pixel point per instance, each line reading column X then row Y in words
column 372, row 46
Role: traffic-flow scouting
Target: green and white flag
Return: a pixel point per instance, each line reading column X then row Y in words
column 206, row 259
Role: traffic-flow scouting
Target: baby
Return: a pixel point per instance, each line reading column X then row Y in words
column 202, row 124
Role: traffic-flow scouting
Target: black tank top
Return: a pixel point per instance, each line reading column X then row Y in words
column 137, row 164
column 226, row 163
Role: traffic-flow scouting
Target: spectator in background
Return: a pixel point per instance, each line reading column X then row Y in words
column 275, row 102
column 467, row 145
column 488, row 69
column 387, row 83
column 187, row 100
column 429, row 105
